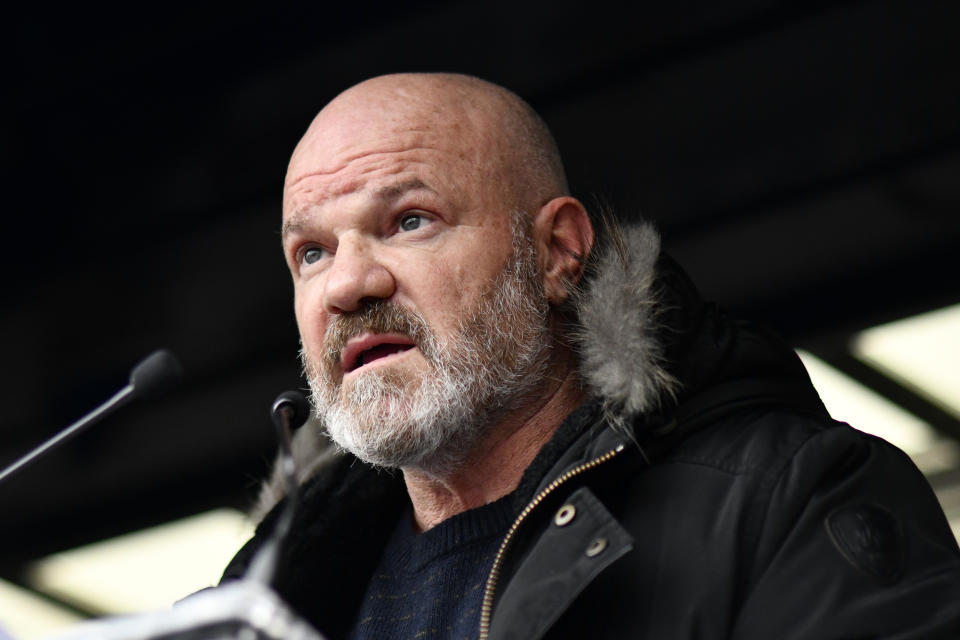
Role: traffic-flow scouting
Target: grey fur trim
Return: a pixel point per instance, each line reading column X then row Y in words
column 311, row 451
column 621, row 359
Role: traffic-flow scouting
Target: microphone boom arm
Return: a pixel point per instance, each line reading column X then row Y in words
column 119, row 399
column 154, row 375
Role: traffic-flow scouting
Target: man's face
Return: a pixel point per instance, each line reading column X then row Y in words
column 486, row 367
column 400, row 246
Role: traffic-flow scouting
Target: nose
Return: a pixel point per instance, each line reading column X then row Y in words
column 355, row 277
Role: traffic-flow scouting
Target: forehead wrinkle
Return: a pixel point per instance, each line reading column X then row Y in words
column 344, row 162
column 351, row 187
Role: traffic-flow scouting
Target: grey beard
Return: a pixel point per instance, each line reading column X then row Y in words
column 494, row 361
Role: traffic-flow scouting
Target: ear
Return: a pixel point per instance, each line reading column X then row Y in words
column 564, row 238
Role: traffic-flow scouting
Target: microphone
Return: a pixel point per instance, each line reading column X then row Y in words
column 156, row 374
column 292, row 407
column 289, row 411
column 153, row 376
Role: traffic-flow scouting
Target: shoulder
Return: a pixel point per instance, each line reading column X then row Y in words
column 777, row 475
column 765, row 443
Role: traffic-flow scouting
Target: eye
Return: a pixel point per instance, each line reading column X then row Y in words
column 411, row 222
column 311, row 255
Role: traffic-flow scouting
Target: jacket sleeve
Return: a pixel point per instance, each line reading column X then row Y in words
column 853, row 545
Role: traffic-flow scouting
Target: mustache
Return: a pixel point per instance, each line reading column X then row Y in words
column 375, row 316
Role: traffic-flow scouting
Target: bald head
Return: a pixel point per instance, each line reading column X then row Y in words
column 500, row 137
column 403, row 195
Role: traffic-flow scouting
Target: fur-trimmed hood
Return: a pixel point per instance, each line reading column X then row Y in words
column 622, row 359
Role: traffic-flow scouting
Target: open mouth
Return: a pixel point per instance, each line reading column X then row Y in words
column 366, row 349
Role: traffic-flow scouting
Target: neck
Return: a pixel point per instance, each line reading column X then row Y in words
column 496, row 466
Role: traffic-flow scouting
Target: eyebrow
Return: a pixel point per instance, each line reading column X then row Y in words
column 298, row 221
column 394, row 191
column 295, row 224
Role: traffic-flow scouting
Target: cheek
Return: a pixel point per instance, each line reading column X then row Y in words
column 457, row 279
column 444, row 291
column 311, row 320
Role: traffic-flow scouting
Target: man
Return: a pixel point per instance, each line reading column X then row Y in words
column 585, row 448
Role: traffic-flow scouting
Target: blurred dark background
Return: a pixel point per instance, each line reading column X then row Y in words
column 801, row 159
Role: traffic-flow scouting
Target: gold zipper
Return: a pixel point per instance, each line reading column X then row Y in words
column 486, row 608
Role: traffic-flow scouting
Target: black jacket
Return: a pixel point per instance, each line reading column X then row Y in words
column 702, row 493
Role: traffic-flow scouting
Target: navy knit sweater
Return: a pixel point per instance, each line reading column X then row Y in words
column 431, row 585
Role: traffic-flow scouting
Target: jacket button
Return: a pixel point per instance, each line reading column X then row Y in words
column 565, row 515
column 596, row 547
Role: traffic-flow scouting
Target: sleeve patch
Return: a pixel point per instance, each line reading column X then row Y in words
column 870, row 538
